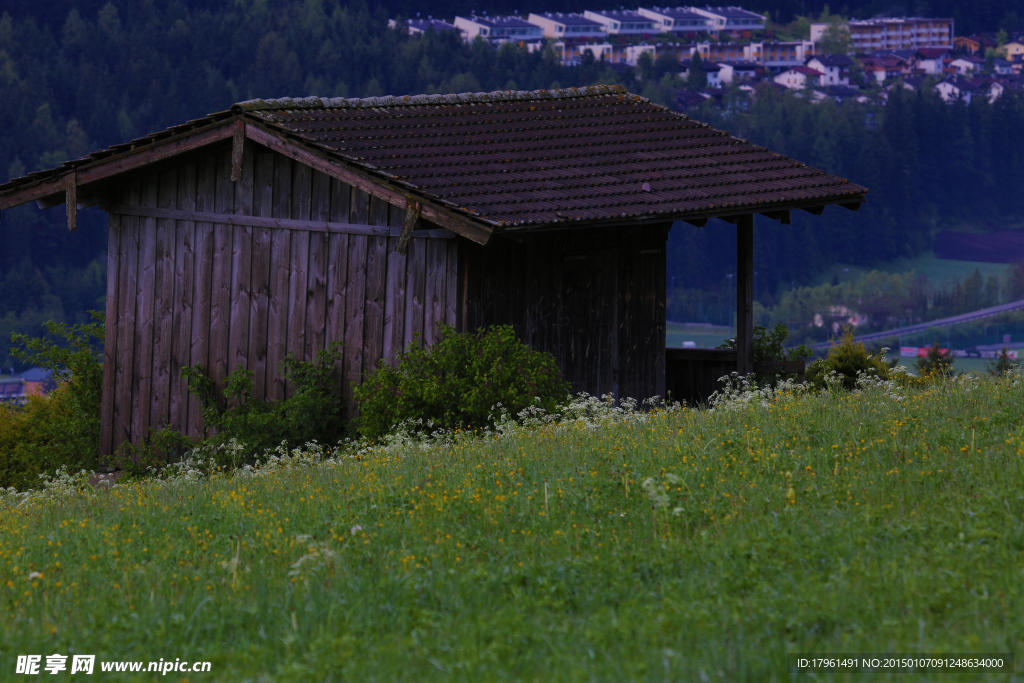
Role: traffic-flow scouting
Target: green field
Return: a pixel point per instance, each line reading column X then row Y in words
column 942, row 273
column 671, row 545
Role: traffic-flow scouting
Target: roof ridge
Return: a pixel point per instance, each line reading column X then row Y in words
column 396, row 100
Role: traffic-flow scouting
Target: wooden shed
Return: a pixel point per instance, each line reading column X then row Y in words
column 278, row 226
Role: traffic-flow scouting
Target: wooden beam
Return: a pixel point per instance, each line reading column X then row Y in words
column 697, row 222
column 745, row 294
column 412, row 216
column 129, row 160
column 816, row 210
column 473, row 230
column 274, row 222
column 237, row 150
column 71, row 200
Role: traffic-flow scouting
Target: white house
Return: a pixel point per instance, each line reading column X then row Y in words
column 712, row 72
column 737, row 72
column 965, row 66
column 799, row 77
column 633, row 52
column 418, row 27
column 930, row 60
column 951, row 92
column 676, row 19
column 731, row 19
column 498, row 29
column 835, row 69
column 566, row 26
column 623, row 22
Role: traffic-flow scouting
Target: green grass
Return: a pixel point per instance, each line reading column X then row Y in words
column 942, row 273
column 704, row 335
column 889, row 520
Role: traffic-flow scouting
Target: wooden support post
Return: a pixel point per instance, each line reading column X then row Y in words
column 745, row 294
column 412, row 216
column 237, row 149
column 71, row 199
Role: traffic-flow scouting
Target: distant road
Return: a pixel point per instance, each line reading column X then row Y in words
column 921, row 327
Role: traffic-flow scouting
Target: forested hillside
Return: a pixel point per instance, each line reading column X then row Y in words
column 80, row 75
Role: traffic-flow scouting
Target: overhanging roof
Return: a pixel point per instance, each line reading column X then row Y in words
column 505, row 161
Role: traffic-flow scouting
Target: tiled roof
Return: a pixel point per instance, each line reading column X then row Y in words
column 520, row 159
column 517, row 159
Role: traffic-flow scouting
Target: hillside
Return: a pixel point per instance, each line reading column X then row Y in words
column 684, row 545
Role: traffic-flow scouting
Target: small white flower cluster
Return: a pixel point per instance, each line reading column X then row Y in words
column 889, row 388
column 582, row 410
column 659, row 493
column 739, row 391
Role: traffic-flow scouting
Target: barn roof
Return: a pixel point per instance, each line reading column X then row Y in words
column 505, row 160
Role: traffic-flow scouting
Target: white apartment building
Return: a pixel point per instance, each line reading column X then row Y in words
column 907, row 33
column 623, row 22
column 731, row 19
column 498, row 29
column 676, row 19
column 563, row 25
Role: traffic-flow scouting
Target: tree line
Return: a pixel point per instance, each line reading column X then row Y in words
column 76, row 76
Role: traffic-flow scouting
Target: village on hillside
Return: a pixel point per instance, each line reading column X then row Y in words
column 732, row 46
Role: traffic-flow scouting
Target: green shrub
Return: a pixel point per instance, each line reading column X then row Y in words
column 160, row 448
column 935, row 363
column 62, row 428
column 848, row 359
column 314, row 411
column 1003, row 365
column 457, row 382
column 769, row 349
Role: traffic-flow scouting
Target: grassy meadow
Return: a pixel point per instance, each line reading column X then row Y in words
column 676, row 544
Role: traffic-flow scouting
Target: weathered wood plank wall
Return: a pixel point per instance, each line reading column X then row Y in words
column 227, row 295
column 595, row 299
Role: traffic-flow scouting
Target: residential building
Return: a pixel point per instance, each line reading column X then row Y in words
column 417, row 27
column 631, row 54
column 722, row 52
column 1001, row 67
column 566, row 26
column 890, row 33
column 931, row 60
column 884, row 67
column 678, row 20
column 780, row 56
column 1013, row 51
column 737, row 72
column 33, row 382
column 965, row 66
column 799, row 77
column 835, row 69
column 735, row 20
column 498, row 29
column 623, row 22
column 711, row 72
column 950, row 92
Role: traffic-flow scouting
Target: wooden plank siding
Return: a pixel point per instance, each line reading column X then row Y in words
column 594, row 299
column 188, row 289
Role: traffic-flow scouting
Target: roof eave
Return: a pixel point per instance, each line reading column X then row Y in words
column 51, row 186
column 775, row 210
